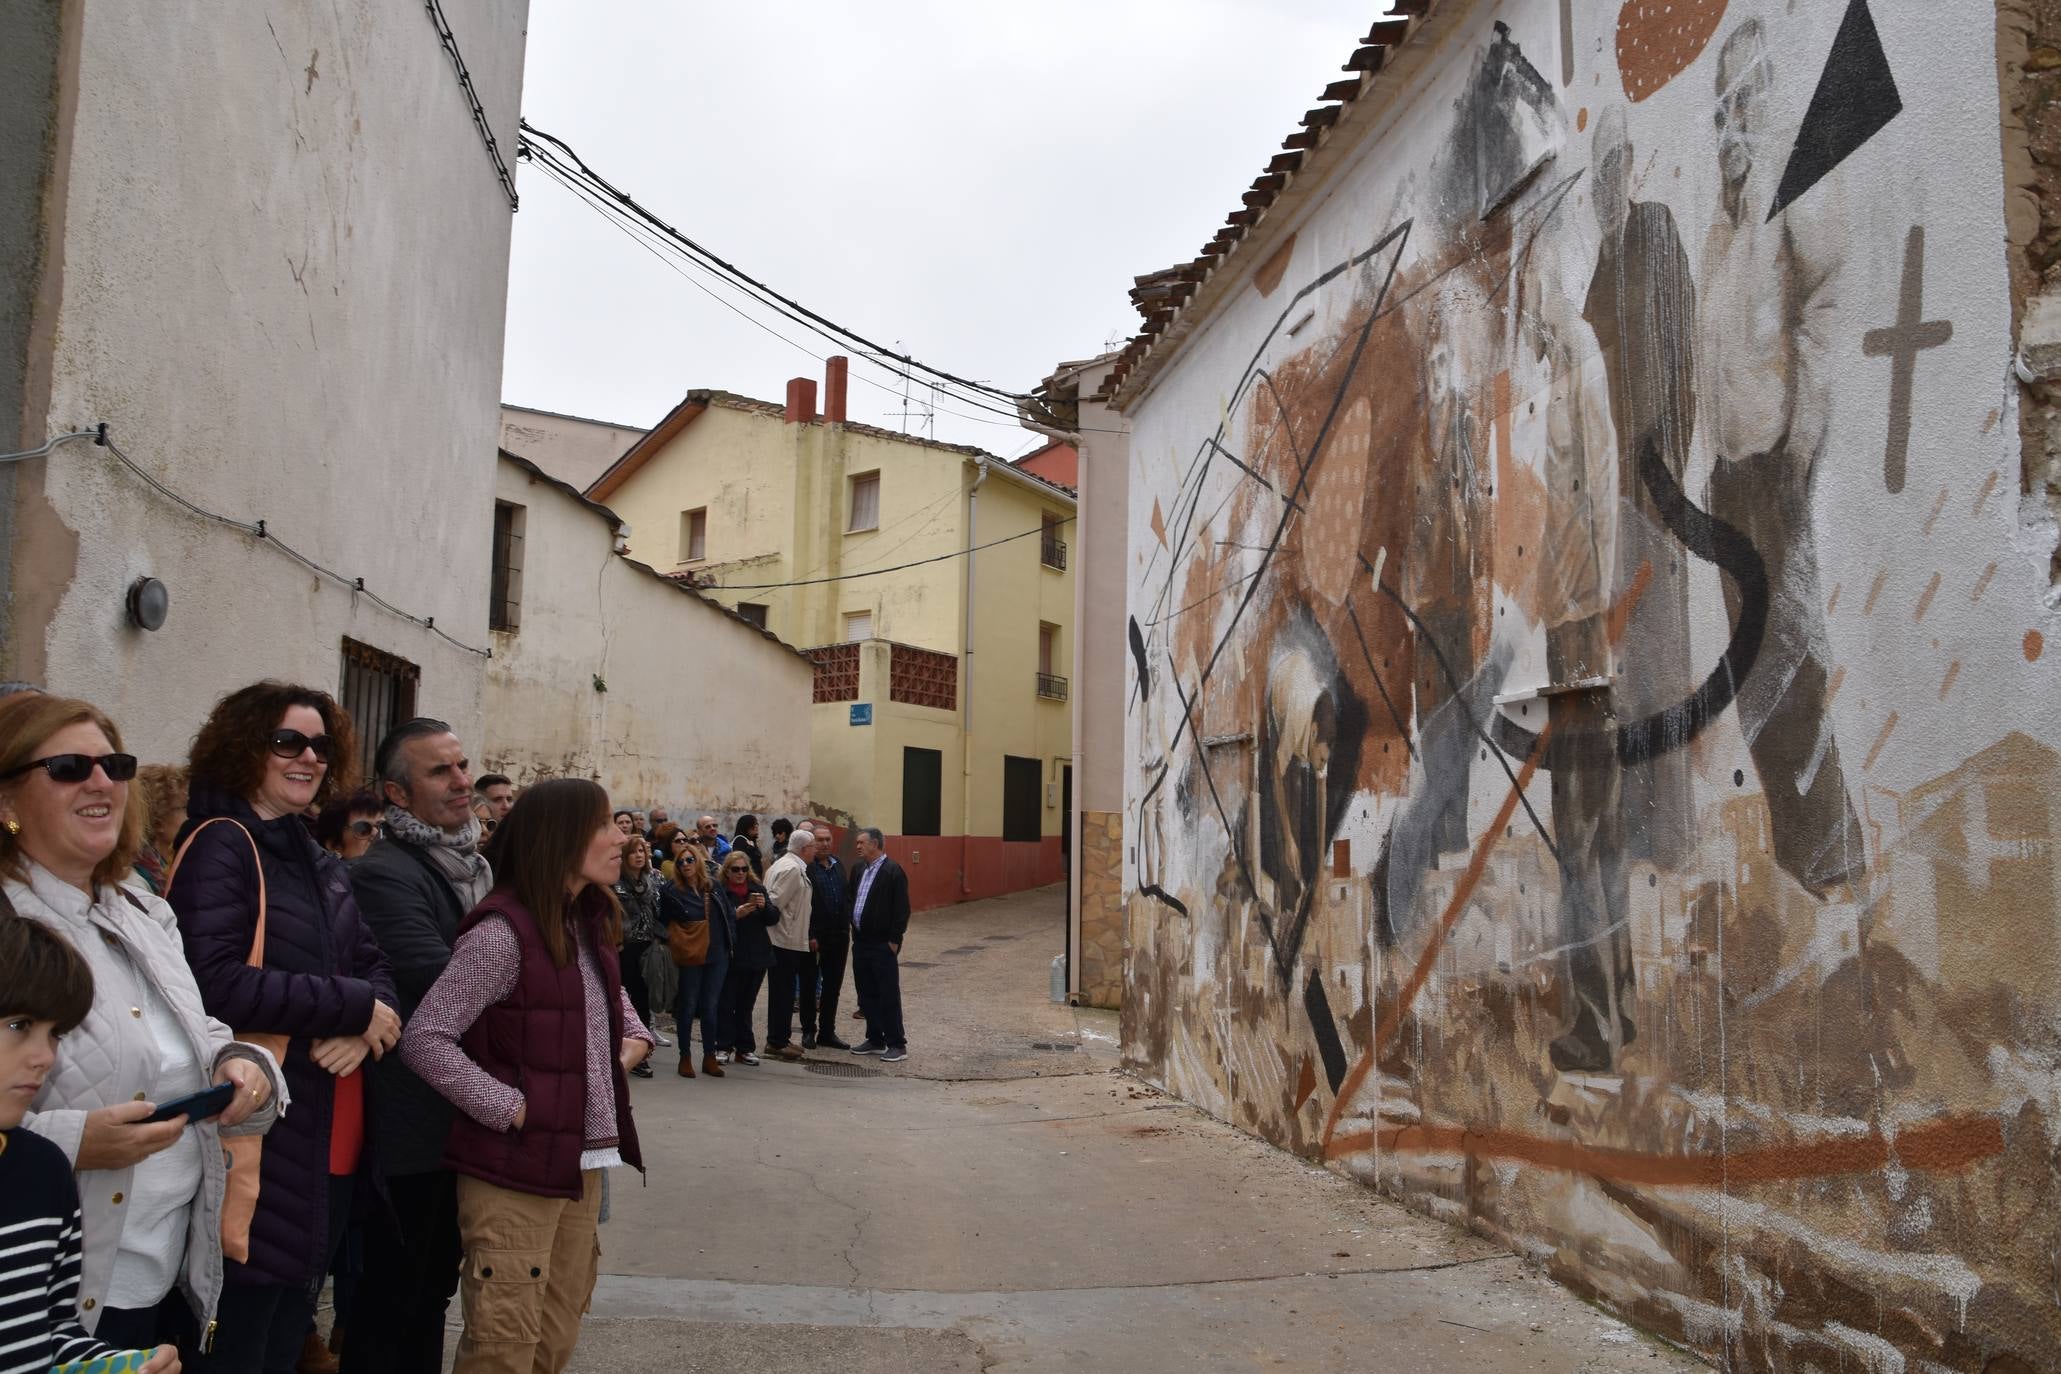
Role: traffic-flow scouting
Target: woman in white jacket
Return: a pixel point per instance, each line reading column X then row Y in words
column 151, row 1194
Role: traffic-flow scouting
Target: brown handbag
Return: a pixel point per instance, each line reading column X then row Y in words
column 687, row 941
column 241, row 1153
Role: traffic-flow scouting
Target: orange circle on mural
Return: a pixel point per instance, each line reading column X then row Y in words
column 1581, row 120
column 2035, row 645
column 1658, row 39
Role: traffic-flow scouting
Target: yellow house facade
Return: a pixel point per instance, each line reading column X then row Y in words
column 931, row 584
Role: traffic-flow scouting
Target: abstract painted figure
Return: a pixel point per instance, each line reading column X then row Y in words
column 1574, row 604
column 1768, row 292
column 1642, row 306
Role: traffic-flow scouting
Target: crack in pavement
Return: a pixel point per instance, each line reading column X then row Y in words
column 870, row 1293
column 863, row 1214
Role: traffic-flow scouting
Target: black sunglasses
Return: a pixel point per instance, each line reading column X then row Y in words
column 288, row 744
column 79, row 767
column 364, row 828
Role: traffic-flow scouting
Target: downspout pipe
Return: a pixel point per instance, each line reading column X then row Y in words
column 966, row 704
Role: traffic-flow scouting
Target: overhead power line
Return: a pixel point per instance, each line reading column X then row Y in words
column 677, row 259
column 256, row 529
column 534, row 141
column 651, row 242
column 876, row 572
column 479, row 114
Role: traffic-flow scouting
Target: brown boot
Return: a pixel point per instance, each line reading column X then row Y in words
column 315, row 1357
column 686, row 1064
column 709, row 1066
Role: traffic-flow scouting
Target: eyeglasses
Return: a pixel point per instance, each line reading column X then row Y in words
column 488, row 825
column 288, row 744
column 70, row 768
column 363, row 828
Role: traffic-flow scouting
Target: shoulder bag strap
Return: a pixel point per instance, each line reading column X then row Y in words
column 257, row 944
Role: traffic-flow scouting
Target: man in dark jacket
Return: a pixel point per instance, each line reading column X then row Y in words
column 880, row 917
column 830, row 936
column 747, row 840
column 413, row 889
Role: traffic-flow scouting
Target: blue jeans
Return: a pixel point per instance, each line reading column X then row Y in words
column 701, row 994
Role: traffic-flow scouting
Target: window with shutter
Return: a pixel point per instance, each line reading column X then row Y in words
column 858, row 625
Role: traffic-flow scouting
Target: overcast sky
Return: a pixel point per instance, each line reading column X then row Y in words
column 978, row 183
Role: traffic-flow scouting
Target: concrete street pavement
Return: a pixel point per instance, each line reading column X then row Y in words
column 993, row 1205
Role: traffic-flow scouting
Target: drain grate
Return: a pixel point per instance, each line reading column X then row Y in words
column 832, row 1069
column 916, row 963
column 1049, row 1045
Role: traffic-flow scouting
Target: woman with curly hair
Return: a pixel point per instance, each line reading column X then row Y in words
column 265, row 755
column 164, row 810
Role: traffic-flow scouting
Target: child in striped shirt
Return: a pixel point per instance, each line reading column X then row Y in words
column 45, row 990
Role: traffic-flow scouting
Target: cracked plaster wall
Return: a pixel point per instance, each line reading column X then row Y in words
column 281, row 281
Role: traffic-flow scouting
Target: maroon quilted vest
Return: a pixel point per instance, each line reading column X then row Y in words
column 536, row 1040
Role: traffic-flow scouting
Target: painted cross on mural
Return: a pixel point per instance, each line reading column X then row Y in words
column 1901, row 343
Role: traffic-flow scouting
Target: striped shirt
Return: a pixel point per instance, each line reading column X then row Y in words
column 39, row 1258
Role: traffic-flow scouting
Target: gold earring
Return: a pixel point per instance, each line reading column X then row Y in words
column 13, row 826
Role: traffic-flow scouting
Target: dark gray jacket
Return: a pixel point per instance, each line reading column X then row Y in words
column 414, row 912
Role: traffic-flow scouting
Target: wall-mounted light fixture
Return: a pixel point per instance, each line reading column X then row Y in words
column 149, row 603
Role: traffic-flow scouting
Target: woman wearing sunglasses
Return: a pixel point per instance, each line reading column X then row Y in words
column 753, row 915
column 265, row 754
column 151, row 1194
column 348, row 825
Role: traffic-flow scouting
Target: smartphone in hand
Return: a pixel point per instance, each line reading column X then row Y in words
column 195, row 1106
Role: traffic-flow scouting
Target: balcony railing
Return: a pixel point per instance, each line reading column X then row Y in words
column 1052, row 552
column 1051, row 687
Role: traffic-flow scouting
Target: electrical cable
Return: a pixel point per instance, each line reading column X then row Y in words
column 669, row 253
column 255, row 529
column 876, row 572
column 641, row 236
column 821, row 323
column 600, row 201
column 479, row 114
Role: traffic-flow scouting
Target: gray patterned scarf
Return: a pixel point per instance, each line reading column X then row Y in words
column 455, row 853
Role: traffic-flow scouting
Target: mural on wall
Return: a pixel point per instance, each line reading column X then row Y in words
column 1540, row 561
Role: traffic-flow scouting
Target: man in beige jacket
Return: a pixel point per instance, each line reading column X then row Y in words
column 787, row 882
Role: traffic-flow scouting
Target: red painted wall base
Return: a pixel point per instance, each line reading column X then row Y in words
column 990, row 866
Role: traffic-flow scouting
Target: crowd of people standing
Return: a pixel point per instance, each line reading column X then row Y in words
column 258, row 1024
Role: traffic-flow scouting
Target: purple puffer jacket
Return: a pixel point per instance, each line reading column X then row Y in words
column 322, row 971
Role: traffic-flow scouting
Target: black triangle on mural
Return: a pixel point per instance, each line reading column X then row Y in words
column 1856, row 96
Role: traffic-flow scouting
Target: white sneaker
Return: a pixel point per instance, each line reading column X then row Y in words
column 722, row 1056
column 663, row 1043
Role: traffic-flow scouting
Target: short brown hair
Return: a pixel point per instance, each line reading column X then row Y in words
column 231, row 748
column 27, row 721
column 41, row 976
column 662, row 838
column 538, row 846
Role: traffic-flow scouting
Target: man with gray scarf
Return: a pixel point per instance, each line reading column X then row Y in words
column 413, row 889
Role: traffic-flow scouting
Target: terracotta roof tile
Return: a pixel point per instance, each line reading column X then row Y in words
column 1156, row 296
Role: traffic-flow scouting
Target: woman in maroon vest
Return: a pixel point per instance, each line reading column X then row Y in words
column 529, row 1035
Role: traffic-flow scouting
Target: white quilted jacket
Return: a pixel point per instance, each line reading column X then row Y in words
column 126, row 933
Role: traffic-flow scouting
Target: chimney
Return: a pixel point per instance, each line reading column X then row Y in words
column 801, row 401
column 836, row 370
